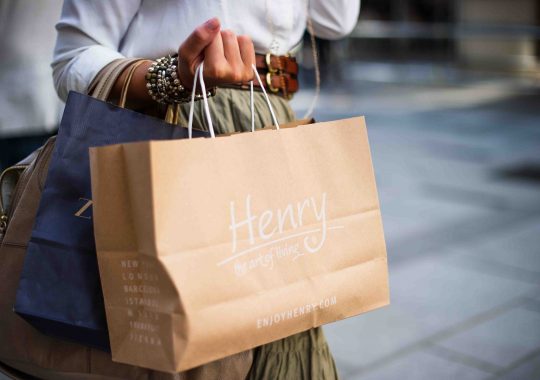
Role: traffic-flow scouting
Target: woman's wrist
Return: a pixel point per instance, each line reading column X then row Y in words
column 162, row 81
column 164, row 85
column 155, row 82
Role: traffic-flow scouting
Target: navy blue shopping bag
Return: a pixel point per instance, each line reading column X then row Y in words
column 59, row 289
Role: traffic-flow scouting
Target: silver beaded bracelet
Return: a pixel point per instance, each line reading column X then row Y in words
column 163, row 84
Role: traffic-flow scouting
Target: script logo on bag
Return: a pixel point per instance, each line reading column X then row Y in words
column 276, row 234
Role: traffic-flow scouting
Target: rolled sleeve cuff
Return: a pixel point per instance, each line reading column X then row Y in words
column 77, row 73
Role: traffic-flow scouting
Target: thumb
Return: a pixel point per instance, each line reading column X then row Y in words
column 197, row 41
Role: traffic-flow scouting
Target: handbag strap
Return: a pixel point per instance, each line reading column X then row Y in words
column 102, row 84
column 127, row 82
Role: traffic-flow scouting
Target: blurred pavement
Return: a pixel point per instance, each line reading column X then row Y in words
column 458, row 174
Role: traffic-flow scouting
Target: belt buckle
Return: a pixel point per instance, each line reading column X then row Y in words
column 268, row 60
column 269, row 83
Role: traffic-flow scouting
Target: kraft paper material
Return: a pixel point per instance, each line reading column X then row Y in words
column 208, row 247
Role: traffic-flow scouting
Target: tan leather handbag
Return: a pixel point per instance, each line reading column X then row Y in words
column 26, row 353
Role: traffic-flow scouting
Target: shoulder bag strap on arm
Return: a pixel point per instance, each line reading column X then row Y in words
column 102, row 85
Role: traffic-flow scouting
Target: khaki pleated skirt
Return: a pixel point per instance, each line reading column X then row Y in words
column 304, row 356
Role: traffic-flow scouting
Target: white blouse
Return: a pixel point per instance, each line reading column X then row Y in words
column 92, row 33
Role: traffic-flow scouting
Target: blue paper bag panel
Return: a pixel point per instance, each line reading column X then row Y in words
column 59, row 290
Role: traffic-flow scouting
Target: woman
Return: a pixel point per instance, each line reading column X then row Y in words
column 91, row 34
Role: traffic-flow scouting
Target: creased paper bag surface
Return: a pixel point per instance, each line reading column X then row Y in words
column 209, row 247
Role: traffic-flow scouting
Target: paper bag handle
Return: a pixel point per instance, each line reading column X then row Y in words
column 199, row 75
column 274, row 118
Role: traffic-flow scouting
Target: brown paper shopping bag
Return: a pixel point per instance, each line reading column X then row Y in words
column 209, row 247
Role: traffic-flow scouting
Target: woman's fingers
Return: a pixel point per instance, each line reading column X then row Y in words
column 234, row 63
column 247, row 52
column 232, row 55
column 191, row 51
column 227, row 58
column 198, row 40
column 215, row 64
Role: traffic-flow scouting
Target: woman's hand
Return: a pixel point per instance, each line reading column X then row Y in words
column 227, row 58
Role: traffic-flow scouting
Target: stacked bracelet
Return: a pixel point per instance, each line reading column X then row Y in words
column 163, row 84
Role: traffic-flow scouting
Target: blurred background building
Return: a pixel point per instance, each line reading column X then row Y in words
column 429, row 40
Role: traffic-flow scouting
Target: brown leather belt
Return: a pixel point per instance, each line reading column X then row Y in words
column 279, row 74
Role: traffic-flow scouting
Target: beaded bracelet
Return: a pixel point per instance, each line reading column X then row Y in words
column 163, row 84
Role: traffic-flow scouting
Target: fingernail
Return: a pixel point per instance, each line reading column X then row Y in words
column 212, row 24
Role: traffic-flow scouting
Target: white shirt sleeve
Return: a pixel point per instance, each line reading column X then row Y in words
column 89, row 36
column 334, row 19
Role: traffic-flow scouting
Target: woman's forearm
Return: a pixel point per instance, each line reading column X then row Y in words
column 89, row 34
